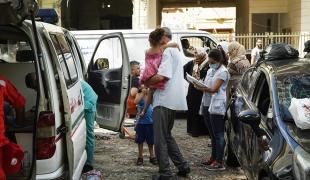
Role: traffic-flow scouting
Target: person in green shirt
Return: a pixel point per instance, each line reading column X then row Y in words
column 90, row 102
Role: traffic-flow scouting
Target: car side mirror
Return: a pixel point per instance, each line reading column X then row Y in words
column 102, row 63
column 250, row 117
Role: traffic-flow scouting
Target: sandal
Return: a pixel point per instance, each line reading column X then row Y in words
column 139, row 162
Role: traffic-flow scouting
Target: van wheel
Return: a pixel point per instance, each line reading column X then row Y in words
column 230, row 158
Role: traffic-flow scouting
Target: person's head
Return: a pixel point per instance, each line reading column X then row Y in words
column 223, row 45
column 168, row 35
column 31, row 81
column 200, row 56
column 236, row 50
column 307, row 46
column 135, row 68
column 215, row 58
column 224, row 54
column 259, row 44
column 156, row 37
column 185, row 43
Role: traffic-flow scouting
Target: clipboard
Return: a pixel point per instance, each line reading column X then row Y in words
column 193, row 80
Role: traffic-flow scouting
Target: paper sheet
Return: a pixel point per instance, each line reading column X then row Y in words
column 193, row 80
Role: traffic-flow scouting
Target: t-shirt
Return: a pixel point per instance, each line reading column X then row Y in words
column 152, row 63
column 90, row 97
column 135, row 82
column 147, row 118
column 173, row 96
column 255, row 52
column 218, row 100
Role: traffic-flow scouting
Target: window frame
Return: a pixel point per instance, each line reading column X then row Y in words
column 71, row 81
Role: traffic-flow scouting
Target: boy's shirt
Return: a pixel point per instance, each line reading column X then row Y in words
column 147, row 118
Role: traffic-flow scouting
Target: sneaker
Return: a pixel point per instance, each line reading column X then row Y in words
column 139, row 162
column 208, row 162
column 184, row 172
column 215, row 166
column 153, row 161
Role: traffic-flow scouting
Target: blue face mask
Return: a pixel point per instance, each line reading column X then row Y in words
column 214, row 66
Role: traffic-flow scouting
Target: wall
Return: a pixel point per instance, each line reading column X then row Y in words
column 268, row 6
column 242, row 16
column 260, row 22
column 98, row 14
column 88, row 15
column 305, row 16
column 294, row 9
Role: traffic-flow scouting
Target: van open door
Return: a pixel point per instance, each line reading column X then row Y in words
column 108, row 74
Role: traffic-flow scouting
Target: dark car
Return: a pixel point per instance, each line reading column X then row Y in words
column 260, row 113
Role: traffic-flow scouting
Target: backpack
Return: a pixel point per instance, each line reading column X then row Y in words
column 280, row 51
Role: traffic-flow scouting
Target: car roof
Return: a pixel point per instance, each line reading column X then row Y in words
column 289, row 67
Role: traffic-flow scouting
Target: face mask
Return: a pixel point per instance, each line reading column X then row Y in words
column 214, row 66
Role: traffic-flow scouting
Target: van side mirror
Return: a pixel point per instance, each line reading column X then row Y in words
column 250, row 117
column 102, row 63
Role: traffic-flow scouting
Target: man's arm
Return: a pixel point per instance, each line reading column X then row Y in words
column 154, row 80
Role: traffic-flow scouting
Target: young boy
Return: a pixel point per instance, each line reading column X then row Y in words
column 144, row 127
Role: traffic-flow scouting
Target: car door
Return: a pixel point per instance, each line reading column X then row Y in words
column 74, row 124
column 240, row 133
column 263, row 101
column 108, row 74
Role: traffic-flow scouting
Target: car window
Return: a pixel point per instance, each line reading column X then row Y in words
column 191, row 43
column 248, row 81
column 245, row 80
column 110, row 50
column 17, row 50
column 261, row 97
column 66, row 58
column 76, row 50
column 294, row 86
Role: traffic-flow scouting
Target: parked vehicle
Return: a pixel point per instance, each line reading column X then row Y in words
column 54, row 133
column 263, row 97
column 137, row 43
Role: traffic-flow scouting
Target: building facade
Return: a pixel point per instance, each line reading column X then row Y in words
column 252, row 16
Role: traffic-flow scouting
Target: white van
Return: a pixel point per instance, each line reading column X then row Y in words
column 137, row 42
column 53, row 136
